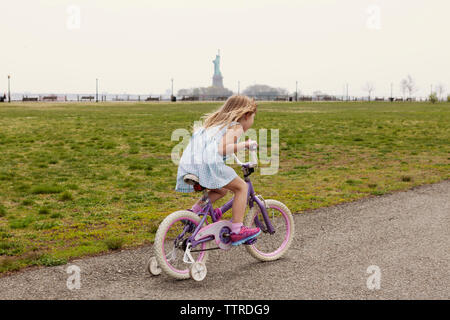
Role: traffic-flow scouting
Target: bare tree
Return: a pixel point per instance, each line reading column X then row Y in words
column 440, row 89
column 408, row 84
column 403, row 85
column 369, row 87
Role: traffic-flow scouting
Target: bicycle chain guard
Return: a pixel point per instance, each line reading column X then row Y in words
column 215, row 229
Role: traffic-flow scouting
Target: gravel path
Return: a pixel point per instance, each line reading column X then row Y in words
column 405, row 236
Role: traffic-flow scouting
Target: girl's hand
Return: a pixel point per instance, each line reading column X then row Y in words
column 250, row 144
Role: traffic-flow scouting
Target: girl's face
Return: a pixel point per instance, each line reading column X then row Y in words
column 247, row 121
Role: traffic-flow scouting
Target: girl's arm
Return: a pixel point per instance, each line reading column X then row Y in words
column 228, row 144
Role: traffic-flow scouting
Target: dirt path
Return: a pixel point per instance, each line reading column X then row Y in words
column 404, row 236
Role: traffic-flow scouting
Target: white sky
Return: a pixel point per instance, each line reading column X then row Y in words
column 137, row 46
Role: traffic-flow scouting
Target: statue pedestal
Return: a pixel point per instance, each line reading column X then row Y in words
column 217, row 81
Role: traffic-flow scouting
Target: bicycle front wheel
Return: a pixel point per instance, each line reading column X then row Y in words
column 269, row 247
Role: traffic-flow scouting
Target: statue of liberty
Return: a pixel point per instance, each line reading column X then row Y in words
column 217, row 77
column 217, row 65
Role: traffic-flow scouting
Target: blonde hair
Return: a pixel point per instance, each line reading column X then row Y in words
column 233, row 109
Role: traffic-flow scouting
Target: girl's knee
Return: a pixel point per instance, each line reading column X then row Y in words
column 237, row 185
column 245, row 186
column 242, row 186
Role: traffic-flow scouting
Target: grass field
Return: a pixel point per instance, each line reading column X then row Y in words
column 79, row 179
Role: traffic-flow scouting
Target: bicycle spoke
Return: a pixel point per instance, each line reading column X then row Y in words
column 172, row 255
column 175, row 236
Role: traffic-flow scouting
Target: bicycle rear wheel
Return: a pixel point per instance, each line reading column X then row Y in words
column 269, row 247
column 170, row 243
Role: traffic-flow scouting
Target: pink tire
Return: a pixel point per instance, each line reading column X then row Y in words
column 272, row 247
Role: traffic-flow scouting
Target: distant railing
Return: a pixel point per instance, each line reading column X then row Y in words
column 30, row 98
column 50, row 98
column 149, row 98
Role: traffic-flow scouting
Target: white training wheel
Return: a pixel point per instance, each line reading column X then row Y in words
column 152, row 266
column 198, row 271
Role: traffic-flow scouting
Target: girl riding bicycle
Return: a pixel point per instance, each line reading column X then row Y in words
column 205, row 156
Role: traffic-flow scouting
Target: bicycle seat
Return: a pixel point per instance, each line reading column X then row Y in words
column 193, row 180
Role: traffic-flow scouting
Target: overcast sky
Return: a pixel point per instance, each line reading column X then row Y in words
column 137, row 46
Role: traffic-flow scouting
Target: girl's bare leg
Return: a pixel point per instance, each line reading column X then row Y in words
column 240, row 189
column 214, row 195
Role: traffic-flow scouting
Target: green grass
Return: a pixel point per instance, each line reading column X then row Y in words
column 114, row 243
column 44, row 210
column 66, row 196
column 2, row 211
column 46, row 189
column 81, row 179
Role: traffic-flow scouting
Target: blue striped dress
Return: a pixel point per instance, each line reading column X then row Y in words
column 202, row 158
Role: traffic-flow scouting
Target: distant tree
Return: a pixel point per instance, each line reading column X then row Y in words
column 185, row 92
column 410, row 85
column 403, row 86
column 318, row 93
column 440, row 89
column 369, row 87
column 205, row 91
column 433, row 97
column 264, row 90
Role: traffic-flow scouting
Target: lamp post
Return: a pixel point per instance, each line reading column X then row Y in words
column 346, row 87
column 296, row 90
column 392, row 91
column 9, row 88
column 172, row 87
column 96, row 90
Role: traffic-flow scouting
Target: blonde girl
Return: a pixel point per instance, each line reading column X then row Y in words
column 205, row 156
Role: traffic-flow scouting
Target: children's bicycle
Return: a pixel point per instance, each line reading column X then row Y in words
column 184, row 238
